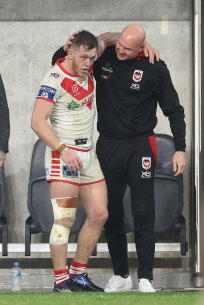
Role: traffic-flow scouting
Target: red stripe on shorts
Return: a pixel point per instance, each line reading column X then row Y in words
column 55, row 154
column 55, row 161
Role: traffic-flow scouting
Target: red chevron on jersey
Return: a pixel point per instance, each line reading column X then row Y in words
column 75, row 90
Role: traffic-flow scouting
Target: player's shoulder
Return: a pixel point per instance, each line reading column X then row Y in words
column 53, row 75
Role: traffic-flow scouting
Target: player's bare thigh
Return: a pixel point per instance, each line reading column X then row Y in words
column 93, row 198
column 62, row 189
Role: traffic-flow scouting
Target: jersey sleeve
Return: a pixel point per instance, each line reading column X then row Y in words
column 49, row 88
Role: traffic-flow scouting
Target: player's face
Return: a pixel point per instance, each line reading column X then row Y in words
column 127, row 49
column 82, row 61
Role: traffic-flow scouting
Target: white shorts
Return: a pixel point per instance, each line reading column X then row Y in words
column 57, row 170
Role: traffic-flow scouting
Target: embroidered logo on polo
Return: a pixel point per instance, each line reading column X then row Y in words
column 137, row 75
column 135, row 86
column 146, row 162
column 146, row 174
column 107, row 68
column 77, row 91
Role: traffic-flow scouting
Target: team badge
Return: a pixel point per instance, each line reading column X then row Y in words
column 137, row 75
column 75, row 88
column 146, row 162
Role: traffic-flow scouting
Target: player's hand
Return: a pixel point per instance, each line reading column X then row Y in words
column 2, row 162
column 69, row 41
column 72, row 160
column 179, row 162
column 150, row 52
column 2, row 157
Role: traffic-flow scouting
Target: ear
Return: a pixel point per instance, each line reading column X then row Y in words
column 141, row 48
column 70, row 54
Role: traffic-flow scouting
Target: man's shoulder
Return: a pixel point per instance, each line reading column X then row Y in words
column 53, row 74
column 109, row 51
column 156, row 66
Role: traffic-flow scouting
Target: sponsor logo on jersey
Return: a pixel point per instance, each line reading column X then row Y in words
column 135, row 86
column 146, row 162
column 47, row 92
column 146, row 174
column 73, row 105
column 137, row 75
column 88, row 101
column 68, row 173
column 80, row 141
column 55, row 75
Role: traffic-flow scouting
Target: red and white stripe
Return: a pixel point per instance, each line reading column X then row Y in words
column 61, row 275
column 77, row 268
column 55, row 164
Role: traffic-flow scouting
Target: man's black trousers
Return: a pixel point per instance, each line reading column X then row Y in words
column 130, row 162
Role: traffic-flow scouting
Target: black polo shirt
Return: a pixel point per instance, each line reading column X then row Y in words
column 127, row 93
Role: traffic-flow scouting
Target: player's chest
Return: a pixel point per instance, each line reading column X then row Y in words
column 77, row 93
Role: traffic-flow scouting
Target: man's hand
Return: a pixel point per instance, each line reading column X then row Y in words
column 72, row 160
column 150, row 52
column 2, row 157
column 69, row 41
column 179, row 162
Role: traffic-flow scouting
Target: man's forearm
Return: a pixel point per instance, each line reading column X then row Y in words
column 109, row 38
column 105, row 40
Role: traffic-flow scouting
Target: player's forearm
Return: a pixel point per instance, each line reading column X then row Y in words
column 45, row 132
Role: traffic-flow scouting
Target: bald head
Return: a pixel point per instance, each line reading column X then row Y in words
column 134, row 33
column 130, row 42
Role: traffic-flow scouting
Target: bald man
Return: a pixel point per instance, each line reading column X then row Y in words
column 128, row 88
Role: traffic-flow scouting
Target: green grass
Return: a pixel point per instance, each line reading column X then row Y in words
column 126, row 298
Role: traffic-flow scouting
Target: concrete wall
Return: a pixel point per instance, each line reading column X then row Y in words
column 90, row 10
column 25, row 55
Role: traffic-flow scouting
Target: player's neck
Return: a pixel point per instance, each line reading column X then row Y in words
column 67, row 65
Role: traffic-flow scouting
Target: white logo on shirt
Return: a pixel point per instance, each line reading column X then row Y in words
column 146, row 175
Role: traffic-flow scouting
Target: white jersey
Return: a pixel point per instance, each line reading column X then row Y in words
column 73, row 115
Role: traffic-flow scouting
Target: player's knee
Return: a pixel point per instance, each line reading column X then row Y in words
column 64, row 210
column 100, row 216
